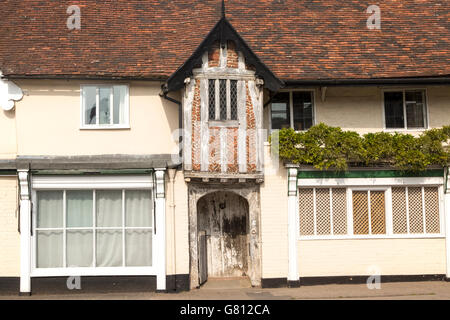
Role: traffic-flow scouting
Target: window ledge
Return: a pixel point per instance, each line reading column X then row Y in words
column 405, row 130
column 223, row 123
column 373, row 237
column 106, row 127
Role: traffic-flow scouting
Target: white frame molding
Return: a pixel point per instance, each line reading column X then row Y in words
column 291, row 107
column 405, row 128
column 25, row 232
column 375, row 184
column 133, row 182
column 126, row 120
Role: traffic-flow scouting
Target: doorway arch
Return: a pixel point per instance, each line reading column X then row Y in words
column 246, row 198
column 223, row 228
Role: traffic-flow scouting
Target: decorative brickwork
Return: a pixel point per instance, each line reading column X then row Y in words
column 232, row 150
column 232, row 55
column 214, row 55
column 196, row 124
column 251, row 132
column 214, row 150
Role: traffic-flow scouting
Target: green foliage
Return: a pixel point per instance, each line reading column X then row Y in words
column 326, row 147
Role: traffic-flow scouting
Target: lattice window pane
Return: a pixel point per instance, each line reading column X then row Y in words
column 223, row 99
column 377, row 212
column 360, row 212
column 212, row 99
column 432, row 222
column 339, row 196
column 233, row 99
column 415, row 210
column 323, row 223
column 399, row 217
column 306, row 211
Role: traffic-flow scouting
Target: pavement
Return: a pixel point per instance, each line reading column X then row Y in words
column 427, row 290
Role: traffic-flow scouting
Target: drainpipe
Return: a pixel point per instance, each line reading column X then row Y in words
column 172, row 173
column 163, row 95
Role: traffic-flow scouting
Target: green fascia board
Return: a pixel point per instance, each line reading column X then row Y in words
column 8, row 173
column 368, row 174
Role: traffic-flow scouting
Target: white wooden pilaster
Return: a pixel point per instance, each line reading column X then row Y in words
column 447, row 223
column 25, row 232
column 292, row 224
column 160, row 225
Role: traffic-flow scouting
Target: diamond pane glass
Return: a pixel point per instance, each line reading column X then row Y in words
column 212, row 99
column 377, row 212
column 323, row 211
column 223, row 99
column 415, row 210
column 233, row 98
column 399, row 223
column 360, row 212
column 339, row 210
column 306, row 211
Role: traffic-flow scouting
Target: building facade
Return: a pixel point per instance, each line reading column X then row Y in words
column 170, row 176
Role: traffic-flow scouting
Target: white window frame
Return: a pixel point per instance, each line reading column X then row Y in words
column 111, row 125
column 60, row 183
column 376, row 184
column 291, row 107
column 405, row 128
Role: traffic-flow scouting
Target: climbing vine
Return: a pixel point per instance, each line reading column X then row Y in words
column 326, row 147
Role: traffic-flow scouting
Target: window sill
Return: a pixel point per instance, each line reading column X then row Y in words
column 404, row 130
column 91, row 271
column 372, row 237
column 105, row 127
column 224, row 123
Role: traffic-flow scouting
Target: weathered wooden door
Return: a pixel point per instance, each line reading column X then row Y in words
column 202, row 258
column 224, row 217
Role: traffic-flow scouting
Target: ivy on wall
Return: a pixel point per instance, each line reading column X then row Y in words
column 326, row 147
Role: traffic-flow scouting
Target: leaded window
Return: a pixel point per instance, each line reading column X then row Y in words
column 223, row 99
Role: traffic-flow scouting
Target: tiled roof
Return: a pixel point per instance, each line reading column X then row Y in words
column 296, row 39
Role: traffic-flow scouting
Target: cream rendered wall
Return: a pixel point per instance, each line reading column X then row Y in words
column 9, row 236
column 439, row 102
column 274, row 219
column 48, row 121
column 181, row 227
column 361, row 108
column 355, row 257
column 8, row 143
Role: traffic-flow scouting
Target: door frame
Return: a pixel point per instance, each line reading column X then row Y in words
column 248, row 191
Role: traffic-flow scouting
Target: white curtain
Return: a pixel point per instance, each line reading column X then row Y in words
column 79, row 248
column 109, row 248
column 79, row 209
column 49, row 249
column 119, row 96
column 105, row 105
column 80, row 241
column 138, row 208
column 109, row 208
column 50, row 209
column 138, row 247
